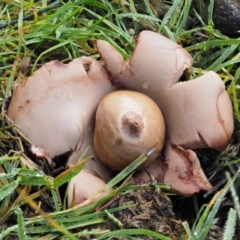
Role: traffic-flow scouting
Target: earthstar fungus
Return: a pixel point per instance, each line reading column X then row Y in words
column 197, row 113
column 55, row 109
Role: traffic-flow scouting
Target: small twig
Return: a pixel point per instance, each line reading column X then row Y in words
column 105, row 206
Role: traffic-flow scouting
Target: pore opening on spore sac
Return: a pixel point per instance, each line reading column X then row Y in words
column 132, row 124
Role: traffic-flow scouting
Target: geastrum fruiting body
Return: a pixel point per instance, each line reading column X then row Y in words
column 128, row 123
column 197, row 113
column 55, row 109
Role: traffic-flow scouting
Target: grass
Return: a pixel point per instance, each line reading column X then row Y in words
column 34, row 32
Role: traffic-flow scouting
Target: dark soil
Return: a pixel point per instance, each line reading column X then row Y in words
column 153, row 211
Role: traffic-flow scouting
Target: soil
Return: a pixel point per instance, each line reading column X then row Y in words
column 153, row 210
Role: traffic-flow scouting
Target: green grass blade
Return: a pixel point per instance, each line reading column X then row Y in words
column 169, row 14
column 18, row 53
column 55, row 200
column 12, row 174
column 216, row 206
column 35, row 181
column 137, row 16
column 8, row 189
column 228, row 63
column 230, row 225
column 206, row 220
column 208, row 59
column 199, row 222
column 233, row 93
column 130, row 232
column 187, row 229
column 234, row 194
column 21, row 228
column 129, row 169
column 115, row 220
column 229, row 50
column 202, row 235
column 180, row 28
column 210, row 11
column 112, row 26
column 210, row 43
column 68, row 174
column 148, row 8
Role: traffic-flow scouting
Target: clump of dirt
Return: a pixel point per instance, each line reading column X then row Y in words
column 152, row 210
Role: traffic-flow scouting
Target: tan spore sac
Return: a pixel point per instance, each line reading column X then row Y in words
column 128, row 123
column 55, row 108
column 197, row 113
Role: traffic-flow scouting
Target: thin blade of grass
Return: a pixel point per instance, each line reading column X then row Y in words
column 180, row 27
column 56, row 200
column 210, row 11
column 229, row 50
column 230, row 225
column 170, row 12
column 8, row 189
column 207, row 218
column 129, row 169
column 68, row 174
column 130, row 232
column 204, row 231
column 21, row 228
column 232, row 91
column 212, row 43
column 19, row 48
column 35, row 180
column 115, row 220
column 187, row 229
column 234, row 194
